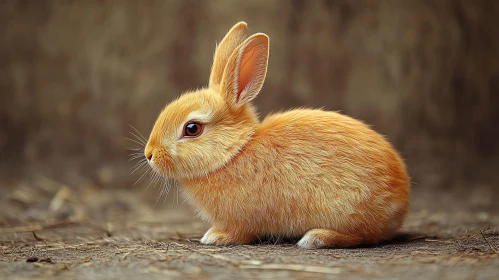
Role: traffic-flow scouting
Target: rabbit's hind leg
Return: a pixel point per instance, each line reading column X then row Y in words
column 215, row 236
column 327, row 238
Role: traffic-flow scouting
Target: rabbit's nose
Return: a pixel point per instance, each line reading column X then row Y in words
column 148, row 153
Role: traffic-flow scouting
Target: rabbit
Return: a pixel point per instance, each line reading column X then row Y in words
column 319, row 176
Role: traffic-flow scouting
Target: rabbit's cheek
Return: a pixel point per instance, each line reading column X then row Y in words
column 173, row 150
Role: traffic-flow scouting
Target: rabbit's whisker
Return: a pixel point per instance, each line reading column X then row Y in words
column 144, row 142
column 134, row 157
column 135, row 149
column 138, row 132
column 135, row 141
column 139, row 165
column 142, row 177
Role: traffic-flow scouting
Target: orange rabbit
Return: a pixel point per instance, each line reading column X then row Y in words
column 318, row 175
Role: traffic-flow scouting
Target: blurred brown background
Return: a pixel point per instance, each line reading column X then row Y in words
column 74, row 74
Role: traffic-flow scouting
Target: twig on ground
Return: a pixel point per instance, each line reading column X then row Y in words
column 464, row 242
column 36, row 237
column 439, row 241
column 188, row 237
column 53, row 225
column 487, row 241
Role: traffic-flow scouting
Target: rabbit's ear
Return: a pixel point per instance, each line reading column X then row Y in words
column 236, row 35
column 246, row 70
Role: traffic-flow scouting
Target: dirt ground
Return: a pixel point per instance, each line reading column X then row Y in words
column 50, row 230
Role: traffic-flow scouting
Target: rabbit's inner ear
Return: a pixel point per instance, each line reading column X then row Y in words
column 236, row 35
column 246, row 70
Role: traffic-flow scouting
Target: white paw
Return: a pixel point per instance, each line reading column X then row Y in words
column 310, row 241
column 209, row 238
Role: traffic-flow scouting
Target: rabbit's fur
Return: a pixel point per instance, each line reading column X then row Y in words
column 314, row 174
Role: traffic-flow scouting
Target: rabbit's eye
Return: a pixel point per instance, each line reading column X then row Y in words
column 193, row 129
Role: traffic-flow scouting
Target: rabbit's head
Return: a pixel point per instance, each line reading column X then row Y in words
column 202, row 130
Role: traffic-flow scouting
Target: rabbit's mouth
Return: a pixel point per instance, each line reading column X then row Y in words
column 162, row 168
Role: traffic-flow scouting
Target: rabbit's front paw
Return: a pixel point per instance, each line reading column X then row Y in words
column 212, row 237
column 221, row 238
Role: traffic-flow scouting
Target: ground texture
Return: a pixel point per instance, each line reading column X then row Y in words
column 49, row 230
